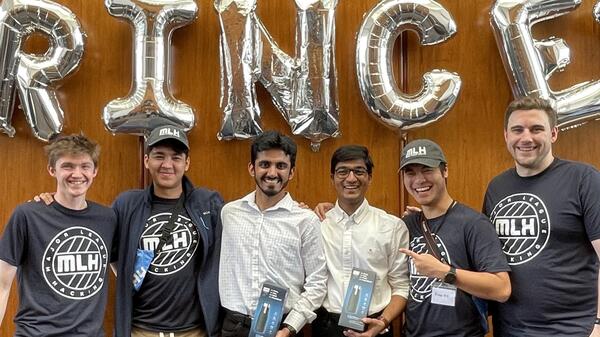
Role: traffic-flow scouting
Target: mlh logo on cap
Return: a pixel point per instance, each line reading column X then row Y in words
column 169, row 131
column 416, row 151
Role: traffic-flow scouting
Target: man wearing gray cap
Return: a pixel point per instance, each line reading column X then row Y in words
column 169, row 242
column 454, row 252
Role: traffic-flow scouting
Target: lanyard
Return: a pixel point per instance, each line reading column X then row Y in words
column 170, row 226
column 428, row 235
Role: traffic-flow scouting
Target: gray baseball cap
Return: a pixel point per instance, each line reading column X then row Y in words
column 161, row 133
column 422, row 151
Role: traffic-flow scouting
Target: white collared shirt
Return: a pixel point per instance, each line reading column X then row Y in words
column 368, row 239
column 282, row 245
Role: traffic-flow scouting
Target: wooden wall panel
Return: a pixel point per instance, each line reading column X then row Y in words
column 105, row 73
column 99, row 79
column 223, row 165
column 471, row 134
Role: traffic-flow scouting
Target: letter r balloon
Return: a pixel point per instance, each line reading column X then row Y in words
column 35, row 76
column 150, row 102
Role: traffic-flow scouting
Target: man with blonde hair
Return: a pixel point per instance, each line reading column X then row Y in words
column 60, row 251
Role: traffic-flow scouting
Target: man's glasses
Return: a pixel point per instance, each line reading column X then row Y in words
column 344, row 172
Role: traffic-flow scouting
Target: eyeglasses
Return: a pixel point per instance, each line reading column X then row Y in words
column 343, row 172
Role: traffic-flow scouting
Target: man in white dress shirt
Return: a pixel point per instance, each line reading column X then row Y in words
column 357, row 235
column 268, row 237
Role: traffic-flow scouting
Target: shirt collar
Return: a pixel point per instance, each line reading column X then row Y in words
column 340, row 215
column 286, row 203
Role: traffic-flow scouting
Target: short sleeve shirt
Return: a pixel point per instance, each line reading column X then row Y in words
column 61, row 257
column 545, row 223
column 466, row 240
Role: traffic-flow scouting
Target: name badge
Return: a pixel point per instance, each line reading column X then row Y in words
column 443, row 294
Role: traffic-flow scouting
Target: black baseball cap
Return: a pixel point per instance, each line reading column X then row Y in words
column 424, row 152
column 161, row 133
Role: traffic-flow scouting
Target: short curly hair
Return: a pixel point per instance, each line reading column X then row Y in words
column 72, row 145
column 270, row 140
column 531, row 103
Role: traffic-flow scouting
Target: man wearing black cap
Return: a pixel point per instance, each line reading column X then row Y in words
column 169, row 242
column 454, row 252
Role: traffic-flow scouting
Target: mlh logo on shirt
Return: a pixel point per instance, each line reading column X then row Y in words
column 522, row 222
column 416, row 151
column 169, row 131
column 177, row 241
column 74, row 263
column 178, row 251
column 420, row 285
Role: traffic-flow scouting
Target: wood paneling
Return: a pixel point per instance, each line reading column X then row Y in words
column 105, row 73
column 471, row 133
column 99, row 78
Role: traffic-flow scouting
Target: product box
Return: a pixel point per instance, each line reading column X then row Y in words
column 357, row 299
column 269, row 311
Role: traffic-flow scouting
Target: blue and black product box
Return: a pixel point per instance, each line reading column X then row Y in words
column 269, row 311
column 357, row 299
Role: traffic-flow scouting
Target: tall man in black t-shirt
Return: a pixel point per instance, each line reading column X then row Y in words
column 546, row 212
column 177, row 288
column 454, row 253
column 60, row 251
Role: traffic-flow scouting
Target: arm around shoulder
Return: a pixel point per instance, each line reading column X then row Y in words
column 487, row 277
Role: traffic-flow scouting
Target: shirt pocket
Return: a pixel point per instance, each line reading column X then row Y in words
column 376, row 256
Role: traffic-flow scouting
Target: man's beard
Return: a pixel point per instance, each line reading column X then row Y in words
column 268, row 191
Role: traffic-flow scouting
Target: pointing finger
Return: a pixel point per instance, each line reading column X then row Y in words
column 408, row 252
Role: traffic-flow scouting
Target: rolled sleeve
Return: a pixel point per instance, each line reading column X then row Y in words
column 315, row 286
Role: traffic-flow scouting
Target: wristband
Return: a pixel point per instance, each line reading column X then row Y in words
column 597, row 321
column 386, row 324
column 293, row 331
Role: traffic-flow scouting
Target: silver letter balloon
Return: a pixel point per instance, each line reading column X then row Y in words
column 303, row 88
column 529, row 63
column 36, row 75
column 150, row 102
column 378, row 88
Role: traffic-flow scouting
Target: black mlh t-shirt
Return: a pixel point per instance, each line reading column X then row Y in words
column 546, row 223
column 168, row 298
column 61, row 257
column 467, row 241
